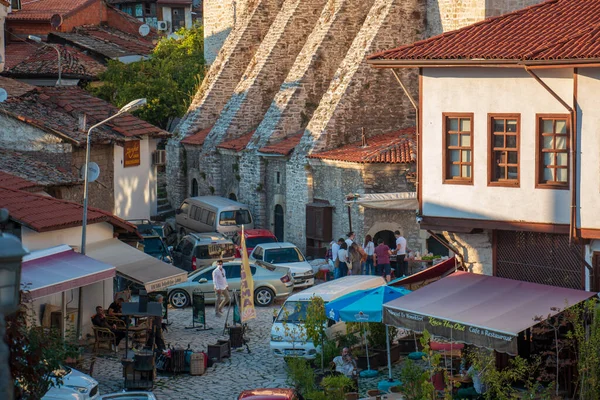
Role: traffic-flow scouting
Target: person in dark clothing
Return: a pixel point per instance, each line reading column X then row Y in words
column 100, row 320
column 116, row 307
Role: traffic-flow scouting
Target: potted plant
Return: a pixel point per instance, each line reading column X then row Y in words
column 377, row 338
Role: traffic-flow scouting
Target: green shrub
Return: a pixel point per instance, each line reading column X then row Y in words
column 329, row 351
column 300, row 374
column 336, row 386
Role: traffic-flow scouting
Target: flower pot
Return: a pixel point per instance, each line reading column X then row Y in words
column 362, row 361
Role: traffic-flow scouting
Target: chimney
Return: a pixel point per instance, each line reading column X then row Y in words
column 82, row 122
column 143, row 301
column 364, row 138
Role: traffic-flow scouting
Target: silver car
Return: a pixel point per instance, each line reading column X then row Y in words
column 269, row 283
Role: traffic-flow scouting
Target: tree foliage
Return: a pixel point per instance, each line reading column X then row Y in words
column 168, row 79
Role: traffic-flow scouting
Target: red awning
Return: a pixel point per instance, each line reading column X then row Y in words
column 433, row 272
column 58, row 269
column 483, row 310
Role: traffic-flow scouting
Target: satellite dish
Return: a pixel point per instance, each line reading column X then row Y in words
column 93, row 171
column 56, row 20
column 3, row 95
column 144, row 30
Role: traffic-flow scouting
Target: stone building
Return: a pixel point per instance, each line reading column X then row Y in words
column 294, row 72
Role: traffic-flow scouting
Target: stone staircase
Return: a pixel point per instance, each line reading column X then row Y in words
column 164, row 208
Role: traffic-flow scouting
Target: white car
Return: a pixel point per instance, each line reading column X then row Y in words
column 75, row 386
column 128, row 396
column 285, row 254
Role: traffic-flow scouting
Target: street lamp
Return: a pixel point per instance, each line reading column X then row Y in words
column 11, row 256
column 131, row 106
column 37, row 39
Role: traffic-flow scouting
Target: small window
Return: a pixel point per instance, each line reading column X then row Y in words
column 211, row 218
column 195, row 213
column 187, row 248
column 552, row 153
column 235, row 217
column 204, row 217
column 206, row 275
column 458, row 148
column 258, row 253
column 504, row 138
column 278, row 177
column 233, row 271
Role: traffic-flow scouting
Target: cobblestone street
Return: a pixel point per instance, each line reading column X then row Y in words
column 224, row 380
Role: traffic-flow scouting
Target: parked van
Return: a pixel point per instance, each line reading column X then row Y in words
column 213, row 214
column 198, row 250
column 288, row 337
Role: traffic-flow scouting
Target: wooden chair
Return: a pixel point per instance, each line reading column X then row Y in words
column 119, row 323
column 103, row 335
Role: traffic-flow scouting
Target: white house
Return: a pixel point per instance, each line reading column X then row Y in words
column 4, row 10
column 508, row 142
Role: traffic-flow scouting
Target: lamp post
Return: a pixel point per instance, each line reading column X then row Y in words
column 11, row 256
column 37, row 39
column 133, row 105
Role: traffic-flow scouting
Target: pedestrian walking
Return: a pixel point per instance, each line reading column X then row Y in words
column 342, row 269
column 355, row 259
column 382, row 256
column 221, row 288
column 369, row 248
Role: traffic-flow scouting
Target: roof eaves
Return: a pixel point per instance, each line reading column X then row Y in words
column 32, row 122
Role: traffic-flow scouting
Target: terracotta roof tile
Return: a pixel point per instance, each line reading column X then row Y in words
column 17, row 52
column 43, row 10
column 283, row 147
column 44, row 213
column 197, row 139
column 397, row 147
column 555, row 29
column 237, row 144
column 15, row 88
column 42, row 60
column 28, row 168
column 15, row 182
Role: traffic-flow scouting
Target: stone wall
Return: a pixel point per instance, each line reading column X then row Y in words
column 274, row 184
column 218, row 21
column 177, row 173
column 101, row 192
column 476, row 250
column 230, row 173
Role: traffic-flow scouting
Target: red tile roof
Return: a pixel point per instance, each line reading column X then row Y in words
column 197, row 138
column 43, row 10
column 283, row 147
column 237, row 144
column 552, row 30
column 397, row 147
column 15, row 182
column 15, row 88
column 45, row 213
column 17, row 52
column 39, row 173
column 43, row 61
column 176, row 2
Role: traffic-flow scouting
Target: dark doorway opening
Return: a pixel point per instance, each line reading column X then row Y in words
column 436, row 248
column 388, row 238
column 278, row 223
column 194, row 187
column 595, row 278
column 232, row 196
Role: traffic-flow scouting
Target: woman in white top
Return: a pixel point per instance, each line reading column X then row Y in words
column 369, row 248
column 342, row 269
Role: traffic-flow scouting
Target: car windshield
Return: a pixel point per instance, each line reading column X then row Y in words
column 253, row 242
column 235, row 217
column 293, row 311
column 214, row 251
column 286, row 255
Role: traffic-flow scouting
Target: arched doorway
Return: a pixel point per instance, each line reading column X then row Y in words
column 388, row 238
column 278, row 222
column 232, row 196
column 194, row 187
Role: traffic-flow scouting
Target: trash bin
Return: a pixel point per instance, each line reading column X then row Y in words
column 236, row 336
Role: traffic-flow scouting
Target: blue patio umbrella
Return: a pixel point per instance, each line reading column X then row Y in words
column 365, row 306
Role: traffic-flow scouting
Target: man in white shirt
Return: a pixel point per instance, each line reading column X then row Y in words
column 221, row 288
column 401, row 267
column 335, row 246
column 350, row 239
column 345, row 364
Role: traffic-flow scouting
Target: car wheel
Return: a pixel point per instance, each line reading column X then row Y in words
column 179, row 299
column 263, row 297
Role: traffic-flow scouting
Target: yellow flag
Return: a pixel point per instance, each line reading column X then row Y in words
column 247, row 286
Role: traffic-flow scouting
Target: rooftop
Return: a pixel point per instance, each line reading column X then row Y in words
column 547, row 32
column 15, row 182
column 43, row 10
column 237, row 144
column 397, row 147
column 35, row 172
column 197, row 138
column 283, row 147
column 15, row 88
column 44, row 213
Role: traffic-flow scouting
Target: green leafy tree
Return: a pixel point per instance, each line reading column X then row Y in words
column 316, row 323
column 168, row 79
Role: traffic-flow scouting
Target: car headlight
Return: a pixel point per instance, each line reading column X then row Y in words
column 293, row 274
column 276, row 338
column 80, row 389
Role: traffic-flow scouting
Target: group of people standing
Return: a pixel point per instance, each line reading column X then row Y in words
column 350, row 258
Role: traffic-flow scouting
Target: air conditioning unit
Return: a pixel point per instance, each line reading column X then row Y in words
column 159, row 157
column 162, row 25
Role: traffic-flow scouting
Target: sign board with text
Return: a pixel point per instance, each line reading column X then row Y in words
column 131, row 153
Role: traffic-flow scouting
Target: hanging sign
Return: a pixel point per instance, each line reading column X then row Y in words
column 131, row 153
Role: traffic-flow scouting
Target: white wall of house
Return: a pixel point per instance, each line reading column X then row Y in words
column 33, row 240
column 496, row 90
column 135, row 187
column 4, row 10
column 167, row 16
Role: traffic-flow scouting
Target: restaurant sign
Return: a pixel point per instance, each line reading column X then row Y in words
column 131, row 153
column 456, row 331
column 162, row 284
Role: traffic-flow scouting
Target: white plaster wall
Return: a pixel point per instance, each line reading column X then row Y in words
column 588, row 87
column 3, row 12
column 33, row 240
column 135, row 187
column 482, row 91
